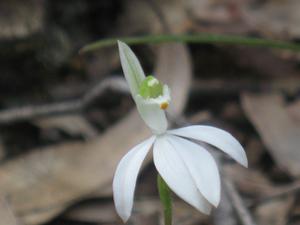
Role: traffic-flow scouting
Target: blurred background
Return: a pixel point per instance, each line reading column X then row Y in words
column 67, row 118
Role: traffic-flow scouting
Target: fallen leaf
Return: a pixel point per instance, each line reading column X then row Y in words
column 278, row 130
column 144, row 207
column 275, row 211
column 175, row 63
column 20, row 19
column 153, row 17
column 278, row 18
column 255, row 151
column 251, row 182
column 59, row 175
column 6, row 214
column 2, row 150
column 72, row 124
column 294, row 110
column 93, row 212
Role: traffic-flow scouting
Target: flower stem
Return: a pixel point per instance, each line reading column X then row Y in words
column 166, row 199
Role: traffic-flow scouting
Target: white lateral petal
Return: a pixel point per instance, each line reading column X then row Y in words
column 132, row 69
column 216, row 137
column 125, row 178
column 152, row 114
column 201, row 166
column 172, row 169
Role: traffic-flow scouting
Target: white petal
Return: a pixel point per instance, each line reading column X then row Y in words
column 133, row 71
column 152, row 114
column 125, row 178
column 172, row 169
column 216, row 137
column 201, row 166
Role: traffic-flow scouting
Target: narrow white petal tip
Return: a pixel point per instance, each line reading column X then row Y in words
column 123, row 213
column 124, row 181
column 216, row 203
column 124, row 217
column 120, row 42
column 131, row 66
column 216, row 200
column 121, row 45
column 242, row 160
column 245, row 162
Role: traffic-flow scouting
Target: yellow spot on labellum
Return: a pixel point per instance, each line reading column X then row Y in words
column 164, row 105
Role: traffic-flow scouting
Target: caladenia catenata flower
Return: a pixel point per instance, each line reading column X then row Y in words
column 186, row 168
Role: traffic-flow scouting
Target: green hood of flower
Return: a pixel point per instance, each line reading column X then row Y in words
column 151, row 88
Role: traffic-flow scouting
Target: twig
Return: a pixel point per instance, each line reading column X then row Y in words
column 278, row 192
column 238, row 203
column 29, row 112
column 224, row 214
column 234, row 201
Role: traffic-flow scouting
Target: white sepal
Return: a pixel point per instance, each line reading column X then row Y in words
column 132, row 69
column 216, row 137
column 201, row 166
column 125, row 178
column 151, row 112
column 175, row 173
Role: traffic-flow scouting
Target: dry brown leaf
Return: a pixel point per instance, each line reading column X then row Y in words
column 278, row 130
column 177, row 75
column 267, row 63
column 294, row 110
column 6, row 214
column 275, row 211
column 200, row 117
column 19, row 19
column 252, row 182
column 213, row 11
column 255, row 150
column 280, row 18
column 72, row 124
column 50, row 178
column 143, row 207
column 44, row 182
column 225, row 213
column 97, row 212
column 151, row 16
column 2, row 149
column 271, row 19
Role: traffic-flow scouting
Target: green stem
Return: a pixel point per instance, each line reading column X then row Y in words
column 166, row 199
column 194, row 38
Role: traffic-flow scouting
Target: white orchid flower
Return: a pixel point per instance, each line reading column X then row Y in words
column 187, row 168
